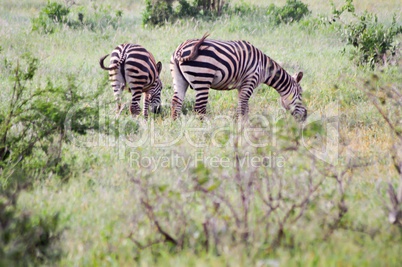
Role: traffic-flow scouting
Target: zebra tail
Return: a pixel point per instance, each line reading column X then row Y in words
column 113, row 67
column 194, row 51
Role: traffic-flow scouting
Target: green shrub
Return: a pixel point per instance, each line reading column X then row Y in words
column 33, row 125
column 348, row 6
column 388, row 103
column 185, row 9
column 243, row 8
column 54, row 15
column 293, row 10
column 210, row 7
column 56, row 12
column 50, row 16
column 157, row 13
column 373, row 42
column 97, row 18
column 26, row 240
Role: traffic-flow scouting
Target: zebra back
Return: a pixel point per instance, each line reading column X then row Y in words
column 120, row 59
column 227, row 65
column 194, row 50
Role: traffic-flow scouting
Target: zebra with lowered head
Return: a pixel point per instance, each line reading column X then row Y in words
column 133, row 66
column 227, row 65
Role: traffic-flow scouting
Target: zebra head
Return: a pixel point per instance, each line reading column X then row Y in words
column 292, row 100
column 156, row 91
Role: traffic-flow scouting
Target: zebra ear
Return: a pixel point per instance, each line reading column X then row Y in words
column 159, row 67
column 298, row 76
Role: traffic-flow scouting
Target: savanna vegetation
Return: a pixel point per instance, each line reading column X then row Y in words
column 81, row 186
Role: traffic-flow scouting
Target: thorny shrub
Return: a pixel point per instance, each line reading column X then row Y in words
column 292, row 11
column 373, row 42
column 53, row 16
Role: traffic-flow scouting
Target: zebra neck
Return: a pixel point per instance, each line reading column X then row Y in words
column 277, row 77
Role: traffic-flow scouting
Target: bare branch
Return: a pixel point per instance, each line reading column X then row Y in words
column 151, row 216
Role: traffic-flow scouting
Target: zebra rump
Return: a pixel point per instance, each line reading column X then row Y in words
column 132, row 66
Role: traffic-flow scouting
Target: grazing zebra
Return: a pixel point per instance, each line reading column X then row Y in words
column 134, row 66
column 227, row 65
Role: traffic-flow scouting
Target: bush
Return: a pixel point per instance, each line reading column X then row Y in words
column 388, row 102
column 348, row 6
column 293, row 10
column 56, row 12
column 54, row 15
column 253, row 207
column 185, row 9
column 24, row 239
column 158, row 12
column 373, row 42
column 50, row 16
column 33, row 129
column 98, row 18
column 243, row 8
column 210, row 7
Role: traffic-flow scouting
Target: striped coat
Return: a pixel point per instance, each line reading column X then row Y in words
column 133, row 66
column 227, row 65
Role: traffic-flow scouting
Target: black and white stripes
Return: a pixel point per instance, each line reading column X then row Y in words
column 202, row 64
column 227, row 65
column 133, row 66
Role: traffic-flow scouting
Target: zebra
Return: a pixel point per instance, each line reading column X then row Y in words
column 227, row 65
column 134, row 66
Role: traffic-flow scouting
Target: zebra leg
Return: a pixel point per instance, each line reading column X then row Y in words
column 201, row 101
column 147, row 97
column 118, row 84
column 135, row 108
column 180, row 86
column 117, row 97
column 244, row 96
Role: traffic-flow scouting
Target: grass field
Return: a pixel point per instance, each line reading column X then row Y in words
column 192, row 176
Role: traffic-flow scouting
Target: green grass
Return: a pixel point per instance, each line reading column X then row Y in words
column 100, row 206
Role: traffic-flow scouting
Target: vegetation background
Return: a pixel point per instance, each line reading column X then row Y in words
column 81, row 187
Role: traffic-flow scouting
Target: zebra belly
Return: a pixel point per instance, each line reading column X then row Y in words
column 217, row 82
column 220, row 83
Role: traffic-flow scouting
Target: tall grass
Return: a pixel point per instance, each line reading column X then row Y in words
column 99, row 205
